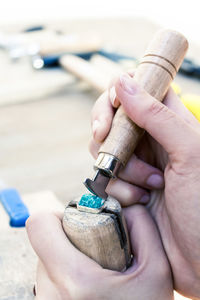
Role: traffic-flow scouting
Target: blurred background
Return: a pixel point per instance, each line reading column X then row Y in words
column 181, row 15
column 56, row 57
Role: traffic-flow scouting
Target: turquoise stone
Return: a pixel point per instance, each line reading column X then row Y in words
column 91, row 201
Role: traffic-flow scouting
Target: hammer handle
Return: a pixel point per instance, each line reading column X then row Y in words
column 154, row 73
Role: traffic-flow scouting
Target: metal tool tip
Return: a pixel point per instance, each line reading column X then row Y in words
column 98, row 185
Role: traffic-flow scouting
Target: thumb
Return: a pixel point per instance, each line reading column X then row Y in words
column 164, row 125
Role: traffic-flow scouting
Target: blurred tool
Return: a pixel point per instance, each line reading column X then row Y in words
column 40, row 42
column 83, row 56
column 98, row 77
column 190, row 68
column 14, row 206
column 54, row 60
column 34, row 28
column 154, row 73
column 192, row 102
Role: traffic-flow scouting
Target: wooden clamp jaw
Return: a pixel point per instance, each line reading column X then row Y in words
column 101, row 235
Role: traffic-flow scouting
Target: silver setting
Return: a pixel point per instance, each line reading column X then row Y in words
column 107, row 163
column 90, row 209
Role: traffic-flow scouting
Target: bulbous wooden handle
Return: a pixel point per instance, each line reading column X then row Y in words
column 155, row 72
column 103, row 237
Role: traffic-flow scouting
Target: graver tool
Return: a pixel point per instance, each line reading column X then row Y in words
column 94, row 223
column 155, row 72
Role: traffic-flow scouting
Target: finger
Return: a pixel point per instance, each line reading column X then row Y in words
column 144, row 150
column 102, row 115
column 111, row 90
column 126, row 193
column 50, row 243
column 113, row 97
column 103, row 112
column 112, row 93
column 144, row 237
column 142, row 174
column 166, row 127
column 94, row 148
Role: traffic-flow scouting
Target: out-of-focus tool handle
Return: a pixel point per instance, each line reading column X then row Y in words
column 155, row 72
column 70, row 43
column 85, row 71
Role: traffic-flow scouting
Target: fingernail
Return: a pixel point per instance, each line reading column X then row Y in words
column 95, row 126
column 112, row 95
column 144, row 199
column 127, row 84
column 155, row 181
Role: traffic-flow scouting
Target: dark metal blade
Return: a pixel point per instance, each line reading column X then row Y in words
column 98, row 185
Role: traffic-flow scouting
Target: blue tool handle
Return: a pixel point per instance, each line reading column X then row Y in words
column 14, row 206
column 53, row 60
column 34, row 28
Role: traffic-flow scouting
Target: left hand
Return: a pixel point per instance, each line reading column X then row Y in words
column 64, row 273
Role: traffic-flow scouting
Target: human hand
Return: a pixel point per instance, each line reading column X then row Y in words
column 64, row 273
column 172, row 144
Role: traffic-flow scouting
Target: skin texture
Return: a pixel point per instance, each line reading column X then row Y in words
column 170, row 148
column 64, row 273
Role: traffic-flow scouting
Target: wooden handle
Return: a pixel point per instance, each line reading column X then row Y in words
column 60, row 44
column 155, row 72
column 85, row 71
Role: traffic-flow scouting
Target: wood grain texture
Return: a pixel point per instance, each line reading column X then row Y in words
column 158, row 67
column 97, row 235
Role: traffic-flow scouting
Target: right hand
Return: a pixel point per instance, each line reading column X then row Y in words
column 173, row 145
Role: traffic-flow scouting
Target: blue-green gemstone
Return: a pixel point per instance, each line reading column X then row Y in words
column 91, row 201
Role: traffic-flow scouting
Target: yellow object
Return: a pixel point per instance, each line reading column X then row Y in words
column 192, row 102
column 176, row 88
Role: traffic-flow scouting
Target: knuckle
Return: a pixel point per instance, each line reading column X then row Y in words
column 156, row 108
column 132, row 195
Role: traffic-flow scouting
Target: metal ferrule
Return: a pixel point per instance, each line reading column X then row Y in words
column 107, row 163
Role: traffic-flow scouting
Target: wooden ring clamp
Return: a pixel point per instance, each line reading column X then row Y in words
column 154, row 74
column 99, row 233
